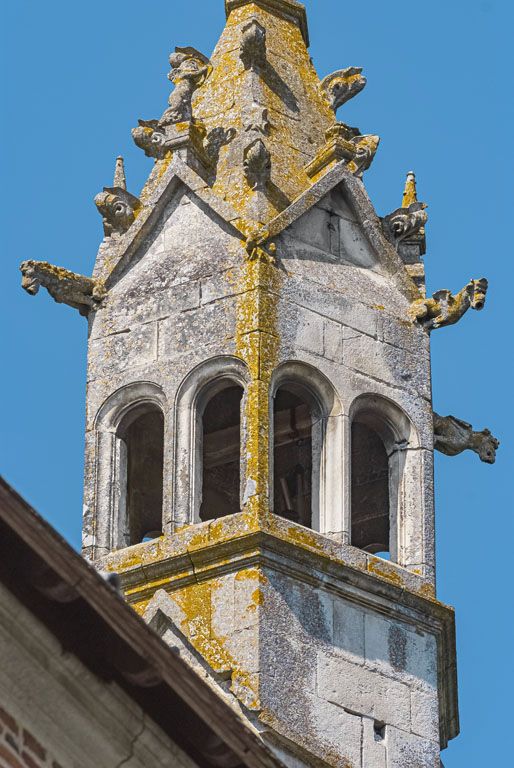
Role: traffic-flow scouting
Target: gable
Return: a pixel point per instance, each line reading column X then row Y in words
column 186, row 243
column 331, row 228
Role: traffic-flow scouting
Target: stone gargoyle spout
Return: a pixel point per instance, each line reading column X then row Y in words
column 452, row 436
column 445, row 308
column 65, row 287
column 343, row 85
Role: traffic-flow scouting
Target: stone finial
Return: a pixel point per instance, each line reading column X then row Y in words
column 119, row 174
column 410, row 194
column 452, row 436
column 257, row 165
column 444, row 308
column 343, row 85
column 65, row 287
column 253, row 46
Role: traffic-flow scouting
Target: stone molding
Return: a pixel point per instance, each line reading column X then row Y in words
column 207, row 551
column 286, row 9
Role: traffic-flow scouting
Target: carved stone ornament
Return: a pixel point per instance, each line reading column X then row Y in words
column 256, row 248
column 253, row 46
column 343, row 85
column 65, row 287
column 365, row 151
column 444, row 308
column 257, row 165
column 190, row 69
column 256, row 119
column 118, row 209
column 452, row 436
column 158, row 142
column 404, row 222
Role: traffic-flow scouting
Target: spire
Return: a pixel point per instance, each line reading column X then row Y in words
column 119, row 174
column 410, row 194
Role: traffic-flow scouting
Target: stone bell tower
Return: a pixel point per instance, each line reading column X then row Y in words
column 260, row 434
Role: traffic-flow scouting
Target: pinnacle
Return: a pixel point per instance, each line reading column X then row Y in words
column 119, row 174
column 410, row 194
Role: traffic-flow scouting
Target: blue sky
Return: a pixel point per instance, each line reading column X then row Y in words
column 79, row 75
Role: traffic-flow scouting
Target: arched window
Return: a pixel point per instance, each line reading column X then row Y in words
column 292, row 456
column 141, row 436
column 209, row 454
column 370, row 490
column 125, row 454
column 221, row 464
column 382, row 441
column 307, row 482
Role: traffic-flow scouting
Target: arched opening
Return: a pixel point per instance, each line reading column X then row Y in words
column 292, row 455
column 370, row 517
column 141, row 459
column 221, row 450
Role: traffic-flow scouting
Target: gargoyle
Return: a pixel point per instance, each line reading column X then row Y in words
column 404, row 222
column 446, row 309
column 452, row 436
column 190, row 69
column 65, row 287
column 253, row 46
column 366, row 149
column 343, row 85
column 118, row 209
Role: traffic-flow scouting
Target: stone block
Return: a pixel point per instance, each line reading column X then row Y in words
column 405, row 749
column 425, row 714
column 210, row 326
column 123, row 351
column 362, row 691
column 400, row 652
column 349, row 630
column 387, row 363
column 333, row 335
column 309, row 332
column 374, row 746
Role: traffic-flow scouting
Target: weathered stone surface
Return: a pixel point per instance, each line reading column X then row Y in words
column 254, row 262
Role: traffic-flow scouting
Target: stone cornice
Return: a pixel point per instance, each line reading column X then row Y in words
column 288, row 9
column 207, row 551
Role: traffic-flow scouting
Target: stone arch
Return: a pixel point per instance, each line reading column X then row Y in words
column 387, row 438
column 199, row 387
column 135, row 414
column 313, row 388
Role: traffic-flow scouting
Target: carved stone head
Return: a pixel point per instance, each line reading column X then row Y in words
column 29, row 281
column 478, row 293
column 117, row 208
column 366, row 149
column 189, row 64
column 149, row 138
column 488, row 447
column 343, row 85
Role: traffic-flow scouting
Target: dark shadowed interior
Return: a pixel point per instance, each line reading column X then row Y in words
column 144, row 439
column 370, row 490
column 292, row 454
column 221, row 454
